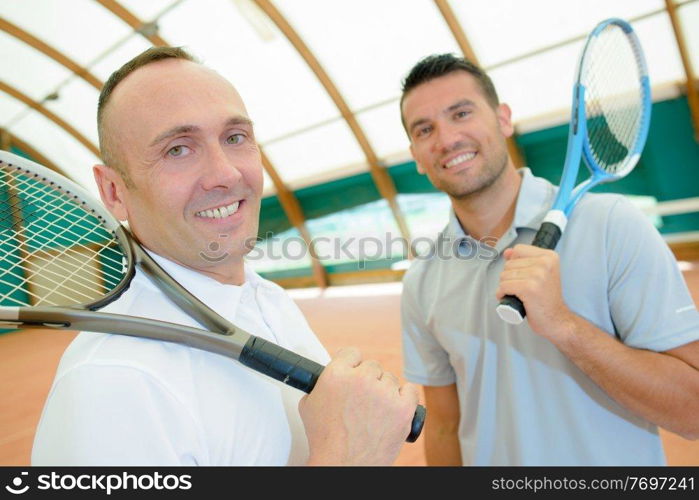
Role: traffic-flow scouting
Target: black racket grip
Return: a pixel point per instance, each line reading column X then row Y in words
column 547, row 236
column 511, row 309
column 299, row 372
column 280, row 364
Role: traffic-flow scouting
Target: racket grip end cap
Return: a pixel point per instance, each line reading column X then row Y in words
column 511, row 310
column 417, row 424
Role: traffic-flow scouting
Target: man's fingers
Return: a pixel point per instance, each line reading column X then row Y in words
column 522, row 251
column 390, row 378
column 518, row 287
column 411, row 392
column 523, row 262
column 536, row 273
column 348, row 356
column 372, row 368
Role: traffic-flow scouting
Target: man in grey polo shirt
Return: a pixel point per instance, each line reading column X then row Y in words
column 610, row 348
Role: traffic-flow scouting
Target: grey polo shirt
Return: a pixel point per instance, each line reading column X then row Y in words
column 522, row 401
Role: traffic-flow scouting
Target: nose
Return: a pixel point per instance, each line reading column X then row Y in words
column 447, row 137
column 219, row 170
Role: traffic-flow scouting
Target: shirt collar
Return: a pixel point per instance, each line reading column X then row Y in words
column 534, row 200
column 221, row 297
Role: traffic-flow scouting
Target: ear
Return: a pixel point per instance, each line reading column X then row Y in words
column 504, row 114
column 420, row 170
column 112, row 190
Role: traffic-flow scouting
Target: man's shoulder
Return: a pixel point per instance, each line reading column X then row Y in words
column 91, row 350
column 601, row 201
column 609, row 210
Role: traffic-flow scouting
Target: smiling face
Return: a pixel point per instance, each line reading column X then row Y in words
column 184, row 135
column 456, row 137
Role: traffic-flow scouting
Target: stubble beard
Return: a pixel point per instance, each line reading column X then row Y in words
column 491, row 172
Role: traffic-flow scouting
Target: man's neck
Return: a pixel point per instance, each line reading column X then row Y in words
column 234, row 274
column 490, row 213
column 230, row 271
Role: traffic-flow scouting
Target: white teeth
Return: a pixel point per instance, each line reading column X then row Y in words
column 459, row 159
column 233, row 208
column 219, row 212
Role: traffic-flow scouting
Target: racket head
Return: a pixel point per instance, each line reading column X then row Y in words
column 617, row 100
column 59, row 247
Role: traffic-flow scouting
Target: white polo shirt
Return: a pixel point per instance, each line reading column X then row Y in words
column 522, row 401
column 119, row 400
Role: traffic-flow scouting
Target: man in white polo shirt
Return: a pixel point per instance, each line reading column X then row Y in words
column 610, row 348
column 182, row 166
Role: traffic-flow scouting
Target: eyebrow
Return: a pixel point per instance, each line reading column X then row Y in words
column 460, row 104
column 187, row 129
column 449, row 109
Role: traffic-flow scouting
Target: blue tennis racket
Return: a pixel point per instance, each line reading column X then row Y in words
column 608, row 128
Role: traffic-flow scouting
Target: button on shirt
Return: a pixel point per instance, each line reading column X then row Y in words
column 522, row 401
column 118, row 400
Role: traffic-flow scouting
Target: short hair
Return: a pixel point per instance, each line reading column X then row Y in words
column 107, row 148
column 437, row 65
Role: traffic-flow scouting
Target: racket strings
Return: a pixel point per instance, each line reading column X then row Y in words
column 52, row 271
column 82, row 219
column 613, row 99
column 56, row 272
column 59, row 215
column 53, row 251
column 35, row 233
column 40, row 234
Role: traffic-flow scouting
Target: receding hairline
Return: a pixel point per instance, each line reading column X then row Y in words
column 109, row 150
column 122, row 84
column 145, row 58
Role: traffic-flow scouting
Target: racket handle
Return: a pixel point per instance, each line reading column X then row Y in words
column 299, row 372
column 547, row 236
column 511, row 309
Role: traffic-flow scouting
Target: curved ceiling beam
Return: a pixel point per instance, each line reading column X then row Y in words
column 291, row 206
column 382, row 179
column 692, row 90
column 8, row 140
column 51, row 116
column 462, row 40
column 287, row 199
column 5, row 140
column 148, row 30
column 49, row 51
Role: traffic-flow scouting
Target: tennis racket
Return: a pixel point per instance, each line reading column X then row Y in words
column 608, row 128
column 63, row 256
